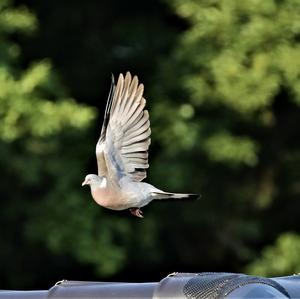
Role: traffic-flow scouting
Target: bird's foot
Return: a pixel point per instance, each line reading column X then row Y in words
column 136, row 212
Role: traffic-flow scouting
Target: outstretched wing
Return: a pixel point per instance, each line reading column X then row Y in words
column 122, row 148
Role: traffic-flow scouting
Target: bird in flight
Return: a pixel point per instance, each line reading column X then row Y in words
column 122, row 152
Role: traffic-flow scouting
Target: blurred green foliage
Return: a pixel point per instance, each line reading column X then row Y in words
column 282, row 258
column 37, row 119
column 239, row 70
column 223, row 89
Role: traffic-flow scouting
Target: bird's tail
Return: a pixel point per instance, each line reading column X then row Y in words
column 168, row 195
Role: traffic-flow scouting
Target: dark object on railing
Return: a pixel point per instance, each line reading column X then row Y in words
column 176, row 286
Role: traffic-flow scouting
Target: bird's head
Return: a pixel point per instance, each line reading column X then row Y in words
column 91, row 179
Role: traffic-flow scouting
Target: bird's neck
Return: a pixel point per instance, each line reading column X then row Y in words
column 101, row 184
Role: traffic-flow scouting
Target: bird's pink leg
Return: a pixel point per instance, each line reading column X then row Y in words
column 136, row 212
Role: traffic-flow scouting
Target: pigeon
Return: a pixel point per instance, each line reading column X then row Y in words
column 122, row 152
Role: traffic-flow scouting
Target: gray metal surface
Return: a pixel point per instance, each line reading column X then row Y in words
column 256, row 290
column 291, row 284
column 212, row 285
column 103, row 290
column 24, row 294
column 175, row 286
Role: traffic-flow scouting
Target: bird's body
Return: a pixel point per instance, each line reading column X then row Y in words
column 122, row 152
column 124, row 195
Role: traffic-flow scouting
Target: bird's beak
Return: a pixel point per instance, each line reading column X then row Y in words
column 84, row 183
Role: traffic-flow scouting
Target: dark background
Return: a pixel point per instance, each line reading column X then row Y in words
column 222, row 87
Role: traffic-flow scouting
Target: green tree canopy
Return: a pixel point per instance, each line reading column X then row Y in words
column 282, row 258
column 38, row 122
column 228, row 106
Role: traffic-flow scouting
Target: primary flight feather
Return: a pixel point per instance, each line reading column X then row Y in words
column 122, row 151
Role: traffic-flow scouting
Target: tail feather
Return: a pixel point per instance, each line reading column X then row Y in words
column 167, row 195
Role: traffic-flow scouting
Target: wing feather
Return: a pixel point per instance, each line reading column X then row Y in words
column 137, row 138
column 123, row 146
column 142, row 122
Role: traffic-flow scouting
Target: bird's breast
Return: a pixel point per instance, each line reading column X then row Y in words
column 108, row 197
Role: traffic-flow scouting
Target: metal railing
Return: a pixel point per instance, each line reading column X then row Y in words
column 176, row 286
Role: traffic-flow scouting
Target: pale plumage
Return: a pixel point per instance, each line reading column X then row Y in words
column 122, row 151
